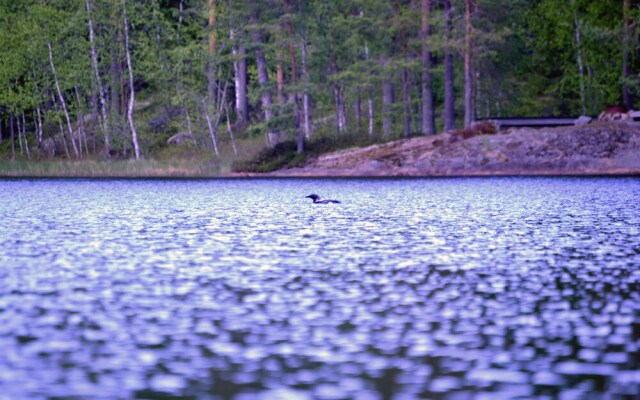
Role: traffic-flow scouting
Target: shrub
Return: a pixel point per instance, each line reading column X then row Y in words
column 284, row 155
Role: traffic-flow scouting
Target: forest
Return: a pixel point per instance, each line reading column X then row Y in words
column 128, row 79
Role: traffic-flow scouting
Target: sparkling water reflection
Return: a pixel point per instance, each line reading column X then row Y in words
column 468, row 288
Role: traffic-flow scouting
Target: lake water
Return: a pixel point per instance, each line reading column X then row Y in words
column 446, row 288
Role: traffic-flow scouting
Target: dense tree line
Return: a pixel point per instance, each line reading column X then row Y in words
column 78, row 77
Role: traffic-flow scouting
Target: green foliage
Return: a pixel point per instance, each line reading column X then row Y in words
column 284, row 155
column 554, row 49
column 524, row 59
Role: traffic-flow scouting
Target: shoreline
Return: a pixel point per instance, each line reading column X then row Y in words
column 605, row 149
column 286, row 176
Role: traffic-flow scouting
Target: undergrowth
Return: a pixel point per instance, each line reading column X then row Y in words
column 284, row 154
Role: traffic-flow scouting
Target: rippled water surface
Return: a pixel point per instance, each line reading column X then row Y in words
column 454, row 289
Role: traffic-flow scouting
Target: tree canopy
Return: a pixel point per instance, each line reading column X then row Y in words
column 80, row 77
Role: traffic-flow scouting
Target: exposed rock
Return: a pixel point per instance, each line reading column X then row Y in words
column 583, row 120
column 596, row 148
column 179, row 138
column 375, row 164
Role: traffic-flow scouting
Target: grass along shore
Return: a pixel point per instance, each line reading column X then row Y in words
column 103, row 169
column 183, row 160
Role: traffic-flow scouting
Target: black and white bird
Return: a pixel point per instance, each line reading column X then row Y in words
column 317, row 200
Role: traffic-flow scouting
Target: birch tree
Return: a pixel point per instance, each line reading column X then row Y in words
column 132, row 92
column 98, row 80
column 63, row 103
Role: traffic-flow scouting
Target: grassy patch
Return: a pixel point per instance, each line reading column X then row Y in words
column 183, row 160
column 115, row 168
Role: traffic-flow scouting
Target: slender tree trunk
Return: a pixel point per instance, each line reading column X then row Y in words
column 123, row 94
column 193, row 137
column 293, row 98
column 39, row 119
column 39, row 128
column 305, row 95
column 213, row 125
column 406, row 100
column 180, row 59
column 280, row 81
column 1, row 138
column 24, row 135
column 406, row 103
column 576, row 24
column 116, row 73
column 370, row 111
column 449, row 95
column 62, row 102
column 12, row 135
column 428, row 118
column 357, row 108
column 590, row 89
column 36, row 129
column 387, row 103
column 233, row 140
column 114, row 78
column 81, row 129
column 626, row 42
column 19, row 134
column 132, row 94
column 222, row 98
column 263, row 79
column 101, row 92
column 221, row 95
column 240, row 80
column 468, row 74
column 343, row 110
column 180, row 14
column 242, row 103
column 341, row 123
column 212, row 129
column 62, row 135
column 296, row 123
column 212, row 51
column 369, row 97
column 282, row 100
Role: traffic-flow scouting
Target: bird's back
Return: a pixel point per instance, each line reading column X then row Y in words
column 328, row 201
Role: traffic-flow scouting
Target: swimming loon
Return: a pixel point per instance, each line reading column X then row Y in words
column 316, row 199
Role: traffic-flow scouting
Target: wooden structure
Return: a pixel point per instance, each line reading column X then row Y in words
column 537, row 122
column 542, row 122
